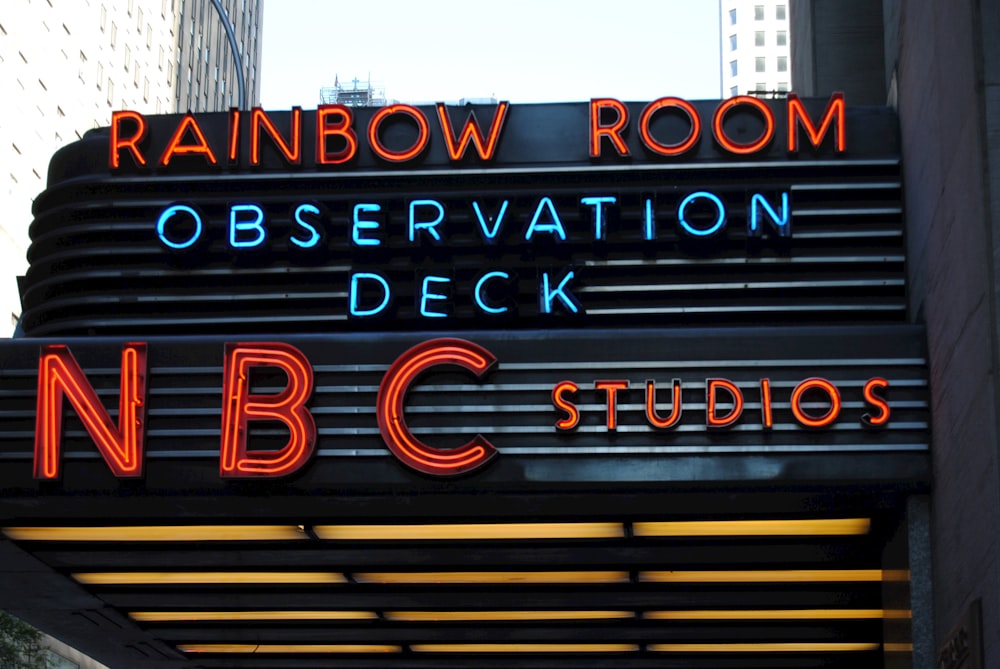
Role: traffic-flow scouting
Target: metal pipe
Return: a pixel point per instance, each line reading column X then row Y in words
column 234, row 46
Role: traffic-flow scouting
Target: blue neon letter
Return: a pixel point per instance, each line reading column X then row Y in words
column 598, row 204
column 781, row 224
column 365, row 224
column 426, row 296
column 720, row 220
column 548, row 294
column 555, row 225
column 314, row 235
column 490, row 234
column 649, row 226
column 169, row 213
column 478, row 293
column 236, row 226
column 355, row 305
column 430, row 226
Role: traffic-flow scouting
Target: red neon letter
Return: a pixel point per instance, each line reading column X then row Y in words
column 675, row 411
column 472, row 133
column 572, row 418
column 291, row 150
column 392, row 395
column 821, row 385
column 613, row 131
column 60, row 375
column 766, row 415
column 713, row 386
column 239, row 407
column 669, row 149
column 175, row 147
column 234, row 135
column 340, row 126
column 117, row 142
column 611, row 388
column 876, row 402
column 423, row 133
column 797, row 115
column 750, row 147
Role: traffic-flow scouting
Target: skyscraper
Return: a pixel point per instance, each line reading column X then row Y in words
column 68, row 64
column 753, row 39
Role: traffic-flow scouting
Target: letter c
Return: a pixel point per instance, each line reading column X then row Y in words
column 392, row 394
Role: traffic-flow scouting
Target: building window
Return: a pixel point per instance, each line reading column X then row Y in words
column 111, row 91
column 780, row 13
column 732, row 42
column 732, row 17
column 782, row 38
column 104, row 17
column 758, row 38
column 783, row 86
column 760, row 64
column 760, row 87
column 732, row 68
column 758, row 12
column 782, row 63
column 128, row 58
column 100, row 75
column 114, row 34
column 734, row 91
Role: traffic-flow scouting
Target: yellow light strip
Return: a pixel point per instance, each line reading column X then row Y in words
column 192, row 616
column 754, row 528
column 249, row 648
column 764, row 576
column 524, row 648
column 159, row 533
column 422, row 577
column 898, row 647
column 472, row 616
column 480, row 531
column 205, row 577
column 770, row 614
column 804, row 647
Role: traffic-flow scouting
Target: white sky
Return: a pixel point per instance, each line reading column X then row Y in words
column 516, row 50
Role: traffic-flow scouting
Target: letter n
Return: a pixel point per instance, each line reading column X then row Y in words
column 240, row 407
column 59, row 376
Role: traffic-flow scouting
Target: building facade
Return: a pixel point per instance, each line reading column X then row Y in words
column 68, row 65
column 753, row 42
column 939, row 66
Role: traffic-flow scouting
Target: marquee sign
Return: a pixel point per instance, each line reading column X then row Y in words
column 452, row 288
column 443, row 406
column 596, row 214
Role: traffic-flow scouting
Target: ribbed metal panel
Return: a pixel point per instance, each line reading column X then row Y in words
column 513, row 406
column 97, row 266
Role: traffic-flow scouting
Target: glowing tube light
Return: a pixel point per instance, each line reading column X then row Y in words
column 207, row 577
column 235, row 616
column 498, row 577
column 480, row 531
column 298, row 649
column 492, row 616
column 765, row 576
column 754, row 528
column 771, row 614
column 801, row 647
column 159, row 533
column 524, row 648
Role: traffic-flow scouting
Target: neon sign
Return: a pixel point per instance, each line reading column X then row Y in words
column 338, row 142
column 815, row 404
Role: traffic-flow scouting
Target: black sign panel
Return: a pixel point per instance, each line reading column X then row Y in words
column 539, row 237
